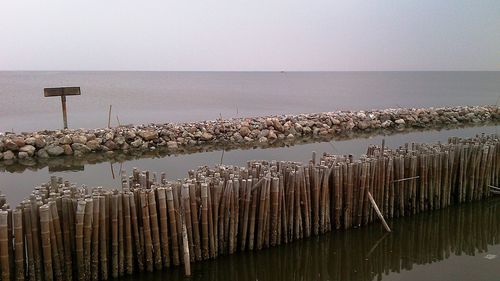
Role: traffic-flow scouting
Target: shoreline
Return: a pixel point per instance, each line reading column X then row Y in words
column 280, row 130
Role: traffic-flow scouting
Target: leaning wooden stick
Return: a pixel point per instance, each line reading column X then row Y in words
column 379, row 214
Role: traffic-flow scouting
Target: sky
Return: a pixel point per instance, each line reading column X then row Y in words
column 234, row 35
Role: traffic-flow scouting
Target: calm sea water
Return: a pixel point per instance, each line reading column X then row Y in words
column 453, row 251
column 143, row 97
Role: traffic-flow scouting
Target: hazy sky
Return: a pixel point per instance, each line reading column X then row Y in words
column 250, row 35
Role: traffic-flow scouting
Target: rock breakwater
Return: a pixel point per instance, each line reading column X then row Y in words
column 237, row 131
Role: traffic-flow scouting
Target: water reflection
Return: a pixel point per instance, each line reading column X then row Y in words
column 70, row 163
column 437, row 238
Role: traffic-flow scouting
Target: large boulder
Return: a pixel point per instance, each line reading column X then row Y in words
column 54, row 150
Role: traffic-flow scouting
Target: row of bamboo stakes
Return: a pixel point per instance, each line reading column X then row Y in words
column 61, row 232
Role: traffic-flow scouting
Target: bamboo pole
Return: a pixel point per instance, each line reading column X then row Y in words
column 379, row 214
column 4, row 241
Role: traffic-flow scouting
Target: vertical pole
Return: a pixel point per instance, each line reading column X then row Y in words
column 65, row 118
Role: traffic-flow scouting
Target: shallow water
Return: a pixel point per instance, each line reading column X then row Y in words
column 19, row 185
column 142, row 97
column 457, row 243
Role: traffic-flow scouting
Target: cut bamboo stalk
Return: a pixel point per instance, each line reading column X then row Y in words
column 146, row 231
column 379, row 214
column 204, row 221
column 80, row 215
column 173, row 226
column 155, row 233
column 185, row 240
column 103, row 238
column 18, row 244
column 162, row 206
column 4, row 241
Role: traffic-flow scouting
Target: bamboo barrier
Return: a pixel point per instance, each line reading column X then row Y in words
column 62, row 232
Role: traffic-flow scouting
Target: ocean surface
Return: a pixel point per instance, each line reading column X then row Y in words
column 458, row 243
column 145, row 97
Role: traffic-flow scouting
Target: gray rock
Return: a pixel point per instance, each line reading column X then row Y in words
column 29, row 149
column 22, row 155
column 262, row 139
column 79, row 139
column 148, row 135
column 8, row 155
column 42, row 153
column 40, row 142
column 30, row 141
column 80, row 147
column 137, row 143
column 54, row 150
column 65, row 140
column 93, row 145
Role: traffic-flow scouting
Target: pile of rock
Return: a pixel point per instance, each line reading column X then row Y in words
column 45, row 144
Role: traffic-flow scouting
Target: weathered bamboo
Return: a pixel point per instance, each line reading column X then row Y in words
column 18, row 244
column 173, row 226
column 46, row 247
column 155, row 233
column 162, row 207
column 4, row 241
column 185, row 240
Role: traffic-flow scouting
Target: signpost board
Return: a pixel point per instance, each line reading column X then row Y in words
column 62, row 92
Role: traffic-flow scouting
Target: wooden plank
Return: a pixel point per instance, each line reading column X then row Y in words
column 61, row 91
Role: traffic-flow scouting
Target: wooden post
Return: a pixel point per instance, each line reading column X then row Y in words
column 62, row 92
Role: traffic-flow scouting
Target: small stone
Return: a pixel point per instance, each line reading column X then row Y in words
column 400, row 121
column 29, row 149
column 54, row 150
column 8, row 155
column 262, row 139
column 290, row 136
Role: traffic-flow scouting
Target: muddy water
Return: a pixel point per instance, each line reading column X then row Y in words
column 457, row 243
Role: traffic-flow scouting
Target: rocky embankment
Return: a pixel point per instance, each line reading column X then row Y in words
column 243, row 131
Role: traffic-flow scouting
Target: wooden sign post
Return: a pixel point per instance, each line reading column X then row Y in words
column 62, row 92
